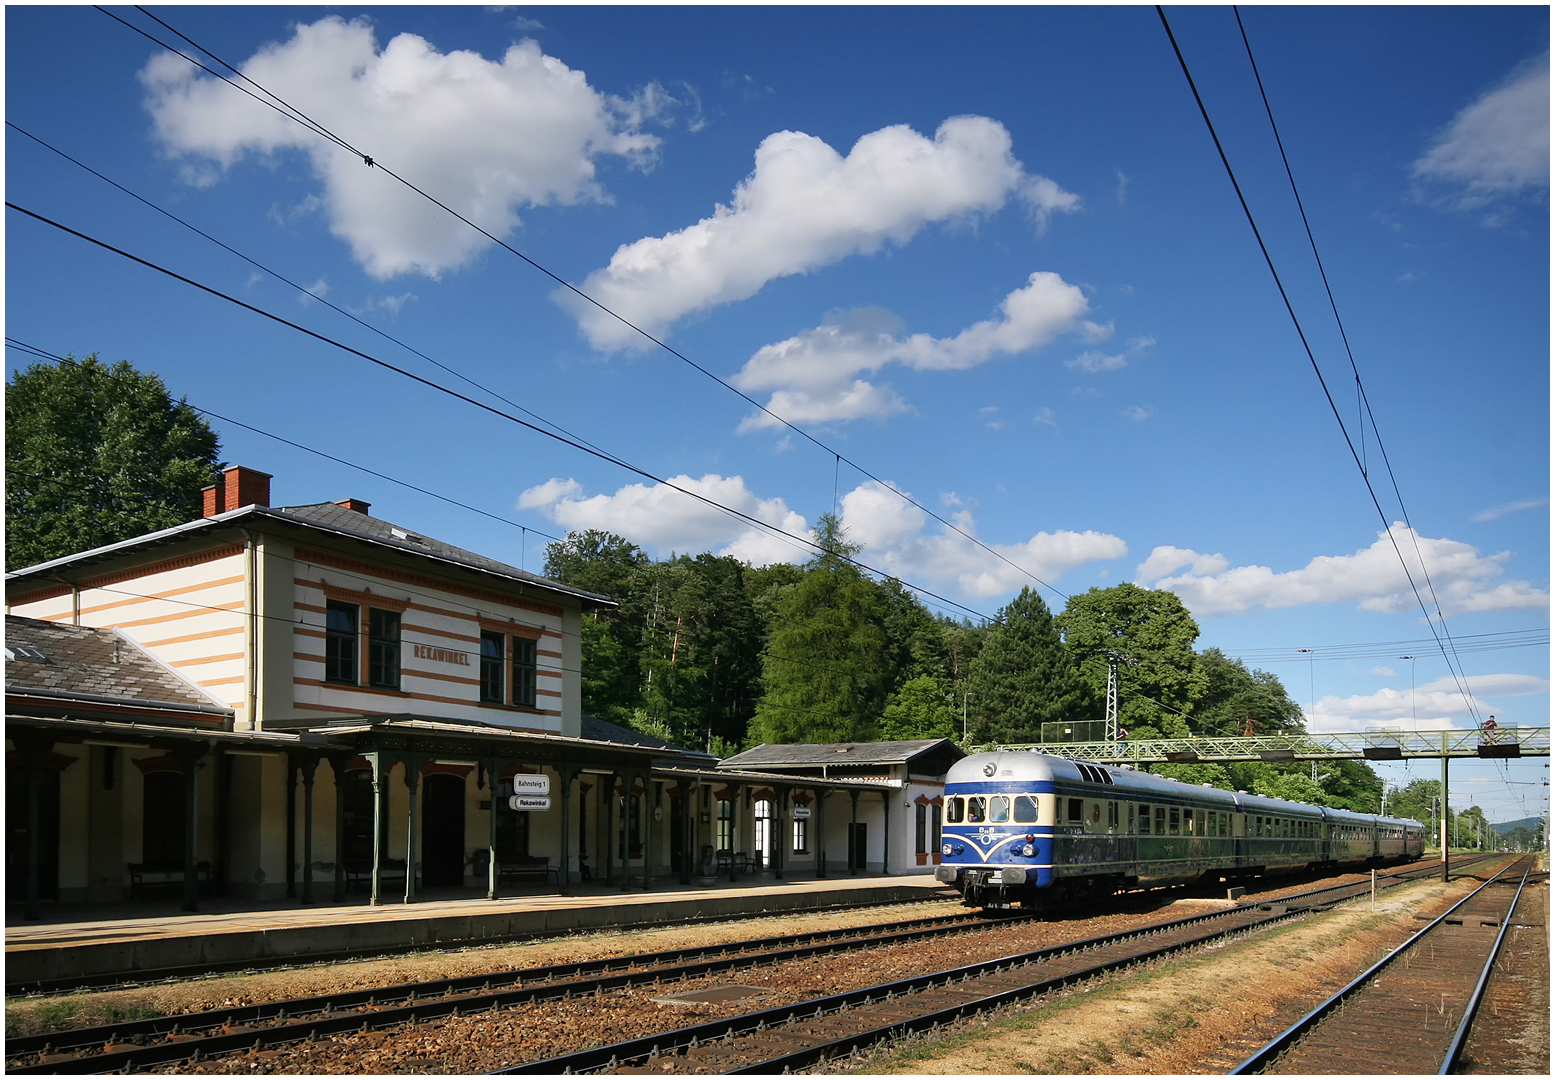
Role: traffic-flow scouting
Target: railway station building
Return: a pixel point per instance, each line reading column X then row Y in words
column 311, row 702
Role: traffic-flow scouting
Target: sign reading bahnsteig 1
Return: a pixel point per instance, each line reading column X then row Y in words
column 531, row 791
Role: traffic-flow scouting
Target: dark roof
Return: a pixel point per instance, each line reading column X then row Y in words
column 867, row 753
column 85, row 663
column 605, row 731
column 333, row 518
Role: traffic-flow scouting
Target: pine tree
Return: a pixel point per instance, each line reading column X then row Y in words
column 827, row 671
column 1025, row 677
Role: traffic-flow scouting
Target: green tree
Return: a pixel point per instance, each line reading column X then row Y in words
column 1024, row 677
column 921, row 708
column 1237, row 701
column 1153, row 629
column 95, row 454
column 701, row 648
column 827, row 671
column 610, row 565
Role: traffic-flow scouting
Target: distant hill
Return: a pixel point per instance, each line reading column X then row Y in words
column 1521, row 823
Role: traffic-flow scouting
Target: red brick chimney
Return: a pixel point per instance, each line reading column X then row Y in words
column 239, row 486
column 355, row 504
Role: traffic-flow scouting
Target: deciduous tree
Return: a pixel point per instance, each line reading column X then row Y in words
column 1153, row 630
column 95, row 454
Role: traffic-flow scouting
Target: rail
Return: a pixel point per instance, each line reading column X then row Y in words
column 1291, row 1035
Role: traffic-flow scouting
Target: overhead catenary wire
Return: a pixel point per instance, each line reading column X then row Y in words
column 1312, row 359
column 781, row 534
column 283, row 107
column 300, row 288
column 1333, row 304
column 43, row 354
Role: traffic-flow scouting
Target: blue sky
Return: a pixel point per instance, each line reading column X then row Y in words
column 988, row 255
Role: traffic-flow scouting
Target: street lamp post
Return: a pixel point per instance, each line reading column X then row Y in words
column 964, row 696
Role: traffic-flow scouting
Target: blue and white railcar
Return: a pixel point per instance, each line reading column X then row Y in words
column 1038, row 830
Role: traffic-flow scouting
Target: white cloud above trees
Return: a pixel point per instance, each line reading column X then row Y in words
column 805, row 206
column 1432, row 706
column 486, row 137
column 1373, row 578
column 1497, row 146
column 659, row 517
column 896, row 537
column 815, row 376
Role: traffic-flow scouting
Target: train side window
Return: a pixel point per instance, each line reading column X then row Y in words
column 999, row 808
column 953, row 810
column 1225, row 824
column 1076, row 811
column 1174, row 821
column 1187, row 820
column 974, row 808
column 1144, row 819
column 1112, row 817
column 1026, row 809
column 1160, row 820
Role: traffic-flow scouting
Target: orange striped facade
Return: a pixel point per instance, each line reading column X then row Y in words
column 192, row 612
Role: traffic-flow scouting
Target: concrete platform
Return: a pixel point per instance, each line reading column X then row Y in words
column 100, row 941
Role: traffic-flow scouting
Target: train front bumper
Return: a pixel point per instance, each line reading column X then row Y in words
column 1005, row 875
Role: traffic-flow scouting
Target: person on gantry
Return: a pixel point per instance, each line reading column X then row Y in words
column 1490, row 727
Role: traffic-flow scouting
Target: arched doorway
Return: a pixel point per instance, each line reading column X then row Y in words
column 442, row 830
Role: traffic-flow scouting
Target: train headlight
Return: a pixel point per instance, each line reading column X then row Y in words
column 1028, row 850
column 946, row 850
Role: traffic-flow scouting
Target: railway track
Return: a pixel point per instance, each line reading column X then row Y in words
column 800, row 1035
column 1413, row 1010
column 165, row 1040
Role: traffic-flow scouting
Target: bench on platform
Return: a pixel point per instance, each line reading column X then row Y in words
column 144, row 876
column 361, row 873
column 528, row 866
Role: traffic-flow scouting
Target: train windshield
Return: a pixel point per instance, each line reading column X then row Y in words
column 1026, row 809
column 975, row 808
column 999, row 808
column 953, row 810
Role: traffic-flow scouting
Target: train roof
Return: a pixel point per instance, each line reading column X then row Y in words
column 1026, row 765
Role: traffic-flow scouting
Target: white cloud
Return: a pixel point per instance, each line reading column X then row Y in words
column 1500, row 144
column 1137, row 413
column 486, row 137
column 1165, row 559
column 1372, row 577
column 896, row 539
column 1384, row 671
column 805, row 206
column 1044, row 417
column 1093, row 362
column 1496, row 512
column 667, row 520
column 1433, row 706
column 895, row 535
column 814, row 376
